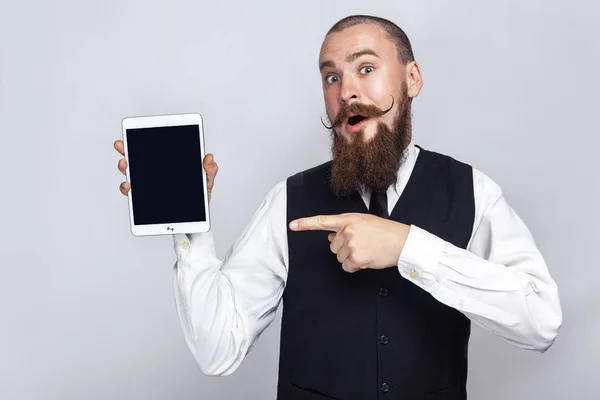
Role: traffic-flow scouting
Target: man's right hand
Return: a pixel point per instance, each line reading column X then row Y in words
column 210, row 167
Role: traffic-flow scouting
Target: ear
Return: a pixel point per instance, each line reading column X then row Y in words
column 414, row 79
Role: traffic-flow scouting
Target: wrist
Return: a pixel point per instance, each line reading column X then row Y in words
column 401, row 233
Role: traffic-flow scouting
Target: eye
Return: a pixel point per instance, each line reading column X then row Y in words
column 366, row 70
column 332, row 78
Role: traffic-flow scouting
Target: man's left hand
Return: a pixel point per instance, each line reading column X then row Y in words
column 360, row 241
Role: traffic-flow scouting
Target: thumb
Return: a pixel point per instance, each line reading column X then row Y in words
column 210, row 166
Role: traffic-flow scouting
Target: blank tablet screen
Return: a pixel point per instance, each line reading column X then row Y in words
column 165, row 173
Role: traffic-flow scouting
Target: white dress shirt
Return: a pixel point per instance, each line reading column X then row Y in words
column 500, row 282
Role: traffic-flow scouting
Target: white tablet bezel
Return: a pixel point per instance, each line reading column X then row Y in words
column 161, row 121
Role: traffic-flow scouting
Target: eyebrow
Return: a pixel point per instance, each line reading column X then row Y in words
column 350, row 58
column 361, row 53
column 326, row 64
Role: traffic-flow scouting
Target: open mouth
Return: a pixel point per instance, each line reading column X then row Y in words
column 355, row 120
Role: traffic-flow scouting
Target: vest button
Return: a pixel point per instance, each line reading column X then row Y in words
column 384, row 339
column 385, row 387
column 383, row 292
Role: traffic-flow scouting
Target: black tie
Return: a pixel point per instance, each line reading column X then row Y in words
column 379, row 204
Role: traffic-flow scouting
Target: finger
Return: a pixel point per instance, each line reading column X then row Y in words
column 124, row 188
column 321, row 222
column 123, row 166
column 120, row 147
column 338, row 242
column 343, row 254
column 211, row 167
column 350, row 266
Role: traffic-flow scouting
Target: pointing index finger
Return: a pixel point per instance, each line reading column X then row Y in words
column 319, row 222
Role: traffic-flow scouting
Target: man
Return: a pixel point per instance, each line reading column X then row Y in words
column 382, row 257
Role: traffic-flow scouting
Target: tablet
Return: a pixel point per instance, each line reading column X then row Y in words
column 164, row 156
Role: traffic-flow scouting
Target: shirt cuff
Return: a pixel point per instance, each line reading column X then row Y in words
column 192, row 246
column 420, row 258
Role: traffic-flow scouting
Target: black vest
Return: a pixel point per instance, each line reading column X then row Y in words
column 373, row 334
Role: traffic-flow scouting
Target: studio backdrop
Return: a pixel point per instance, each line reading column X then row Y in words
column 87, row 310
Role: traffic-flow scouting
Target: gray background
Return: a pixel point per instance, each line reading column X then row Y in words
column 87, row 310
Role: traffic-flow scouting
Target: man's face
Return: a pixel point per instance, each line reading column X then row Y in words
column 367, row 100
column 360, row 65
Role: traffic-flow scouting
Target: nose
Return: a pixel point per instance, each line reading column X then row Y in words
column 349, row 90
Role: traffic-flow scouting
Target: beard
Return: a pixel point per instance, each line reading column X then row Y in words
column 373, row 164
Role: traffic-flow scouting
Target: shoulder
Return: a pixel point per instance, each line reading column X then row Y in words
column 486, row 191
column 277, row 194
column 445, row 162
column 316, row 173
column 483, row 185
